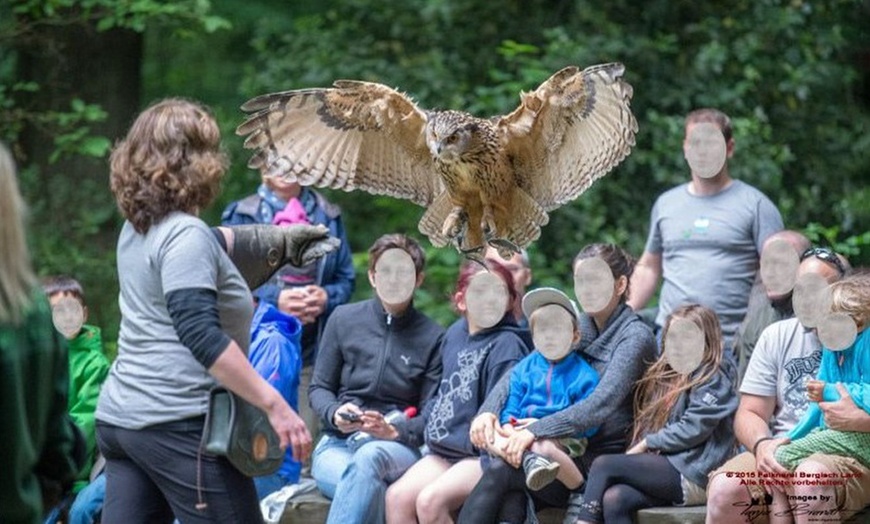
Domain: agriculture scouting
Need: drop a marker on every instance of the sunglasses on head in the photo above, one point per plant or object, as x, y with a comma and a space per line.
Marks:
825, 255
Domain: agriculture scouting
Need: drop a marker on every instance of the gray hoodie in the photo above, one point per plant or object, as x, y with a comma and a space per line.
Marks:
699, 435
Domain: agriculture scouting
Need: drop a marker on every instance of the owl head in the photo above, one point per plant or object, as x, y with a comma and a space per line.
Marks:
451, 135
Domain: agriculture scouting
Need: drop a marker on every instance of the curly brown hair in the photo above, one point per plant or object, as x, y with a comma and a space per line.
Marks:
170, 160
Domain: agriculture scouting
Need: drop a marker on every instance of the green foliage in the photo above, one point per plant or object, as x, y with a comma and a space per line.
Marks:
785, 71
109, 14
58, 129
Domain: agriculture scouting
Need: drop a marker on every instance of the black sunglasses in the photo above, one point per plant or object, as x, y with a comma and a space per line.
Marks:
825, 255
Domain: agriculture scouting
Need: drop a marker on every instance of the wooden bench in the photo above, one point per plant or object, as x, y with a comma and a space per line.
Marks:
312, 509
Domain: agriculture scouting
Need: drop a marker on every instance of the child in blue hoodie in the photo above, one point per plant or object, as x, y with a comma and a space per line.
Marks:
851, 367
547, 381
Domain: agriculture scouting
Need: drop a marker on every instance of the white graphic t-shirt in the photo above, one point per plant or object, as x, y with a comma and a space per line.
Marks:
786, 357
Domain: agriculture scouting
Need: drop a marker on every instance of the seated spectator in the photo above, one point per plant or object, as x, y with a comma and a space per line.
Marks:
276, 354
478, 350
770, 298
773, 400
847, 368
684, 408
619, 346
311, 292
376, 356
521, 272
88, 368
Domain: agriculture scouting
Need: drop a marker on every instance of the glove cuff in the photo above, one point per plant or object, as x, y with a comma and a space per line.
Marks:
258, 252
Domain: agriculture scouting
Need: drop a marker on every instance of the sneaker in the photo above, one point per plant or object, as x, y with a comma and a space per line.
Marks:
540, 471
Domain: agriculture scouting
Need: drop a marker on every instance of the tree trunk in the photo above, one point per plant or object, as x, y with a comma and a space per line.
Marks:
73, 218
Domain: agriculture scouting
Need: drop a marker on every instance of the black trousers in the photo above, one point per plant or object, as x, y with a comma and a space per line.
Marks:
151, 477
500, 495
502, 489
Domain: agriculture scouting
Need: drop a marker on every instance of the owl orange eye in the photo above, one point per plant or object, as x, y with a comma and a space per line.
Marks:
451, 139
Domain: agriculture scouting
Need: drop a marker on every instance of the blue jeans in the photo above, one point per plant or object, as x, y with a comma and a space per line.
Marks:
88, 504
357, 481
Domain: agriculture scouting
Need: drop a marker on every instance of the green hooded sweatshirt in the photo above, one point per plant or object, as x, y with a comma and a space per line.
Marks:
88, 368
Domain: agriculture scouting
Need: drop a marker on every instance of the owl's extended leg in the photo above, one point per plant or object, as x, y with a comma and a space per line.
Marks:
489, 228
475, 254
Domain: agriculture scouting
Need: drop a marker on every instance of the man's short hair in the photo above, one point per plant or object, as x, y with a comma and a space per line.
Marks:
711, 116
397, 241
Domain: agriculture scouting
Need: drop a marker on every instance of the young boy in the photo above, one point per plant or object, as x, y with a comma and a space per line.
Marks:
88, 368
548, 380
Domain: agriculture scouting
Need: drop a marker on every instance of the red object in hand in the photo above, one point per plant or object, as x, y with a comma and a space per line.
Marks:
513, 420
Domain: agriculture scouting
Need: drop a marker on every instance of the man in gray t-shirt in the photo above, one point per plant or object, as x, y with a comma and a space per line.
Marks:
706, 235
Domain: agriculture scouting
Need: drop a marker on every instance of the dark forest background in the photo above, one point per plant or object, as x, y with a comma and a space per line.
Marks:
794, 76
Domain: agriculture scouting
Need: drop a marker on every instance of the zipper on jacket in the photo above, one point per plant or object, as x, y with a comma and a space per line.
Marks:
550, 384
382, 361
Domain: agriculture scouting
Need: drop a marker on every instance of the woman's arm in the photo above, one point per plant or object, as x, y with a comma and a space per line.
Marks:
326, 379
233, 370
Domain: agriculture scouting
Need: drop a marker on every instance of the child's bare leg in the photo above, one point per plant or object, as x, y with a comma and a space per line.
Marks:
569, 474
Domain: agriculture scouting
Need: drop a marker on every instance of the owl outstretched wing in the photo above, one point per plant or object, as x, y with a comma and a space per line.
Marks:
569, 132
356, 135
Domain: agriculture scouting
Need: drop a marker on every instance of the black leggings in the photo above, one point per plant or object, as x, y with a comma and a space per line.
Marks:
499, 496
619, 485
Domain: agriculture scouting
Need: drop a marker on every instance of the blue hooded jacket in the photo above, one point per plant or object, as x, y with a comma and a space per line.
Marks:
335, 271
853, 372
540, 388
277, 356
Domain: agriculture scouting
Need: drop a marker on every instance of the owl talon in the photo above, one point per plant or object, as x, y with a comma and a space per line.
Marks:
455, 224
505, 247
475, 254
489, 229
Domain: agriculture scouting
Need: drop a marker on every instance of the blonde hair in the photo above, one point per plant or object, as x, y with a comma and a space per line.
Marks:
657, 392
851, 295
170, 160
17, 280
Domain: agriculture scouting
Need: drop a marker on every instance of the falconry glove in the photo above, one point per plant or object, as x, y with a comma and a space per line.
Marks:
260, 250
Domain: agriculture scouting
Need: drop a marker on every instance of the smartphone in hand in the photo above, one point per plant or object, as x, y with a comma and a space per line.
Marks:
348, 416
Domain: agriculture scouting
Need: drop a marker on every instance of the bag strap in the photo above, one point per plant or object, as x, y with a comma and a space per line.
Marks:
202, 505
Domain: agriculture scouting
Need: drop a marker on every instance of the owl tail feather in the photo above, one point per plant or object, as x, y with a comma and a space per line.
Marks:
433, 220
523, 225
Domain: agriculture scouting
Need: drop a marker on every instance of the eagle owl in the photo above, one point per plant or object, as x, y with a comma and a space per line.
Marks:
482, 181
